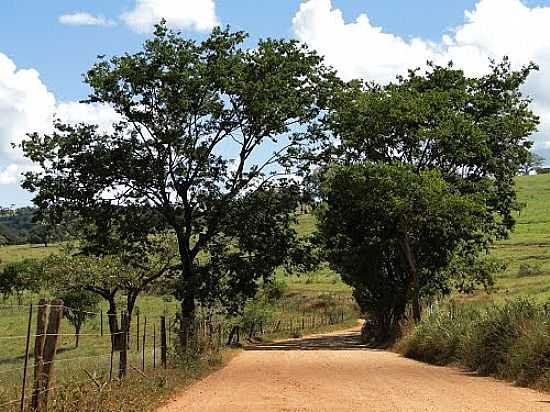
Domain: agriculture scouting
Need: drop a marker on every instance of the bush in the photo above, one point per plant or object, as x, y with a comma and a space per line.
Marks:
529, 358
510, 341
439, 338
487, 348
275, 289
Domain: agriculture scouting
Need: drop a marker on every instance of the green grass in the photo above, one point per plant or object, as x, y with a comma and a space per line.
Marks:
528, 246
509, 340
14, 253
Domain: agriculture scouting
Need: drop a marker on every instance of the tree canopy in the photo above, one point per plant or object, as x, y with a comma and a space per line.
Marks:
203, 143
417, 179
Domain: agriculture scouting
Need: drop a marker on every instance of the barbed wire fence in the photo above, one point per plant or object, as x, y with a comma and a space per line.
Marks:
44, 367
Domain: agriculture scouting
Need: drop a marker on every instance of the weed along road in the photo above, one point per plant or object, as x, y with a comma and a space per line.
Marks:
334, 372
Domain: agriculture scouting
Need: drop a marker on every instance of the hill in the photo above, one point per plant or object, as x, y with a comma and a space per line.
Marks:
527, 252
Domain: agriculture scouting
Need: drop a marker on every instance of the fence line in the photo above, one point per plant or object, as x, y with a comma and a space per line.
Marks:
209, 335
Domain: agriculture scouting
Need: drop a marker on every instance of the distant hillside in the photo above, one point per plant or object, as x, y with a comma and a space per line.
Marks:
17, 227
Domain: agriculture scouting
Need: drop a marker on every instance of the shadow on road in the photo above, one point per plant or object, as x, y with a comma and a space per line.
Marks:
344, 341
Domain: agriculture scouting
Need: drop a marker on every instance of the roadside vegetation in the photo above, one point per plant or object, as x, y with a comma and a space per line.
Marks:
509, 340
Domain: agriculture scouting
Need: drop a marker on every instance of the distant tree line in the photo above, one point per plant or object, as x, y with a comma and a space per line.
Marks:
20, 226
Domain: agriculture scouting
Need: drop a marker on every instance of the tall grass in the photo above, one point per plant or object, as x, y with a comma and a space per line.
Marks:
510, 341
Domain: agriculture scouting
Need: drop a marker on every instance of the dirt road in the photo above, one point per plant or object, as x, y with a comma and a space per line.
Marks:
335, 373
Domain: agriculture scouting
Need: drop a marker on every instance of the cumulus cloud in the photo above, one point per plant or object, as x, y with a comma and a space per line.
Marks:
85, 19
26, 105
493, 29
180, 14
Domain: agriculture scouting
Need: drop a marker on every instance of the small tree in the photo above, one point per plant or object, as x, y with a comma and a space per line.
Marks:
533, 162
112, 275
80, 306
25, 276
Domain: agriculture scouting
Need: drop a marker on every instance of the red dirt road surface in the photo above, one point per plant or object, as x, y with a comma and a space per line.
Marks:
334, 372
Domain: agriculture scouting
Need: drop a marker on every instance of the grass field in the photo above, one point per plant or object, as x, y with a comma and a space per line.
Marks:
527, 252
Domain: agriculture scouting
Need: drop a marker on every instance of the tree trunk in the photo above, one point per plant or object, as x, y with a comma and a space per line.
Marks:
77, 327
411, 263
114, 330
187, 319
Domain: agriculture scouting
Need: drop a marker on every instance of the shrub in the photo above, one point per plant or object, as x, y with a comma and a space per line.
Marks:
439, 338
275, 289
510, 341
486, 349
529, 358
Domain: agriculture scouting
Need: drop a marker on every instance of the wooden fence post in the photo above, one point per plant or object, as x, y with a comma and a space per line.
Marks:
154, 345
48, 354
143, 345
101, 322
137, 331
27, 344
163, 341
123, 355
38, 351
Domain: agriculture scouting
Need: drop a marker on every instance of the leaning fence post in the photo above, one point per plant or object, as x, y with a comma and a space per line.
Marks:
38, 351
27, 342
50, 350
163, 341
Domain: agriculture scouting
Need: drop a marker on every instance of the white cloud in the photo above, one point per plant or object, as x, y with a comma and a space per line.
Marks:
493, 29
9, 175
85, 19
197, 15
27, 106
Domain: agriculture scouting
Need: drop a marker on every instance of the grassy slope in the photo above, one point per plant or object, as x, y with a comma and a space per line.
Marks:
529, 243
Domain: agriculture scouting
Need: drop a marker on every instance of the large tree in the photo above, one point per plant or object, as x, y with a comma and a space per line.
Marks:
205, 127
472, 132
393, 235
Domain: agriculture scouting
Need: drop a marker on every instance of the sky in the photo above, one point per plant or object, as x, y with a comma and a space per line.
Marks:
46, 46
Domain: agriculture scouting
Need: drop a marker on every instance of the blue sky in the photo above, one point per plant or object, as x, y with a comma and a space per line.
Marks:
361, 38
31, 35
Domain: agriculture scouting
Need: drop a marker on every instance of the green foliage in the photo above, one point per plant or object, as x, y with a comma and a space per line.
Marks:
439, 337
509, 341
24, 276
80, 305
19, 226
196, 121
445, 149
487, 347
275, 289
391, 233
